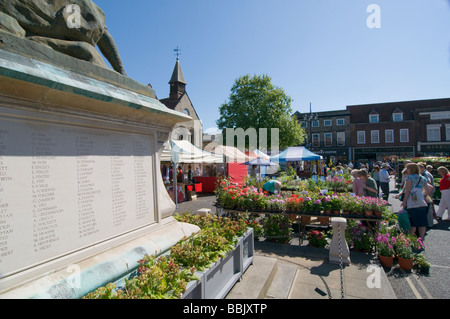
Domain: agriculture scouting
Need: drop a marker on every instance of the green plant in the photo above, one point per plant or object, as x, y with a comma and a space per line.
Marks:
202, 250
277, 228
157, 278
421, 264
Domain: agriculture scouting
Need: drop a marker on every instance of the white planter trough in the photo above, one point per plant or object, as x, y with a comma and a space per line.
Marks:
217, 281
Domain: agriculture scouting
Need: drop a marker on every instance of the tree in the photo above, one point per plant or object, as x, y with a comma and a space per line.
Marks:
256, 103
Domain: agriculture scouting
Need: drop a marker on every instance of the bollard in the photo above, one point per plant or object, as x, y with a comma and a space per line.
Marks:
339, 250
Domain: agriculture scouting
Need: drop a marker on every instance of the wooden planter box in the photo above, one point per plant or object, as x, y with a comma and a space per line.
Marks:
217, 281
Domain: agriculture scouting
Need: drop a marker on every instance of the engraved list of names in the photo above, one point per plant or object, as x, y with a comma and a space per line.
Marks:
66, 187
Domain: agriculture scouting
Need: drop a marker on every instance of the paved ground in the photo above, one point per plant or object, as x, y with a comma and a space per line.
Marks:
436, 285
315, 278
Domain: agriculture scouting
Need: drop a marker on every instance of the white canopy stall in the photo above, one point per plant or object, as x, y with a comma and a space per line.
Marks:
183, 151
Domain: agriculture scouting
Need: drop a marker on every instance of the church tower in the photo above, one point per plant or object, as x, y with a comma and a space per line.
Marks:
177, 83
179, 100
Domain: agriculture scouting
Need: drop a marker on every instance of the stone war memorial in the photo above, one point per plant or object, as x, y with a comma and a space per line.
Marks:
81, 193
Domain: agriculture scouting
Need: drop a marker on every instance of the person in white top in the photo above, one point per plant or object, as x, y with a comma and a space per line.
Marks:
384, 181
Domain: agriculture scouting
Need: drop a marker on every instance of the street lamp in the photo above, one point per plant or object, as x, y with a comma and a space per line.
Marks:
309, 118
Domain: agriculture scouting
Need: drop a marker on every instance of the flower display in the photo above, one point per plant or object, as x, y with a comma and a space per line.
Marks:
385, 244
360, 236
317, 238
407, 245
250, 198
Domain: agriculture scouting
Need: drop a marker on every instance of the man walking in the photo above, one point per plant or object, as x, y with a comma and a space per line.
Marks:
384, 181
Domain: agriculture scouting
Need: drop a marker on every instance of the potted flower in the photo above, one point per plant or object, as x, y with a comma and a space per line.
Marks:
326, 204
294, 206
360, 237
276, 205
404, 251
355, 206
317, 238
384, 244
336, 204
367, 206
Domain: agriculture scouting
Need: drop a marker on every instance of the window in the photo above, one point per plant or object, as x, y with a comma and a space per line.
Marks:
326, 122
315, 123
316, 140
447, 132
340, 122
186, 111
303, 124
389, 136
328, 137
397, 117
434, 133
340, 138
361, 137
374, 118
404, 135
375, 137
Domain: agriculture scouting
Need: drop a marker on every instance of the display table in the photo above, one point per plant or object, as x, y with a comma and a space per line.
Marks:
302, 222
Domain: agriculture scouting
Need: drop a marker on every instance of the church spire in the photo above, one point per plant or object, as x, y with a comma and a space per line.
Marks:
177, 82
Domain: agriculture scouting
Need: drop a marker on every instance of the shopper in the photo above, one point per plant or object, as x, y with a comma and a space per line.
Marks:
429, 197
370, 186
413, 201
376, 176
358, 184
273, 186
444, 187
384, 181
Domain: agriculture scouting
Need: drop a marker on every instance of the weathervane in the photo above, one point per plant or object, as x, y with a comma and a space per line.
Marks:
177, 50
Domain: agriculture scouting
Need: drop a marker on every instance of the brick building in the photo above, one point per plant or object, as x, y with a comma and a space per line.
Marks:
328, 134
399, 129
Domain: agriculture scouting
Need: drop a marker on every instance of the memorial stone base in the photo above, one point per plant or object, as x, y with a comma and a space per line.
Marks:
81, 193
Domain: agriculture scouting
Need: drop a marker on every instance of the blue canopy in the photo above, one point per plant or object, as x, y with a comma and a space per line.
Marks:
293, 154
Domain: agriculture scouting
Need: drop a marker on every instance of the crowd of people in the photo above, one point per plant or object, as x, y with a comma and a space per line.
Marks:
417, 188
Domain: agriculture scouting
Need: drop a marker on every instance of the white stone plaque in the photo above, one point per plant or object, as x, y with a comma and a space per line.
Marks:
65, 187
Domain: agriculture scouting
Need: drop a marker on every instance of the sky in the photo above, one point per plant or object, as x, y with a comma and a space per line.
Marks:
327, 53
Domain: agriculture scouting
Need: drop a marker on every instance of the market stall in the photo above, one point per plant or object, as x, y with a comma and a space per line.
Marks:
235, 171
184, 152
299, 154
295, 154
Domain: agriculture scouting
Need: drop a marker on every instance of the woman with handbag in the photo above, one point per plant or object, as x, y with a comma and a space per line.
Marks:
413, 201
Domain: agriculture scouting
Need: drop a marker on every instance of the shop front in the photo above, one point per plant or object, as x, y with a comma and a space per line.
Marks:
368, 154
433, 149
336, 155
